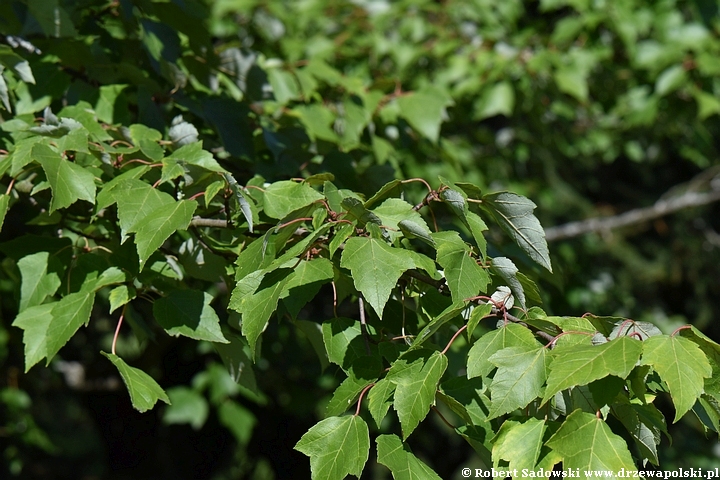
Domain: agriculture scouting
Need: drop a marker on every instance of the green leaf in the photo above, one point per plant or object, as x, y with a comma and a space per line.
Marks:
186, 406
120, 296
478, 313
670, 80
363, 372
519, 444
35, 322
305, 283
343, 341
464, 276
67, 316
424, 110
188, 313
582, 364
416, 375
341, 234
239, 420
357, 210
337, 447
284, 197
4, 203
256, 297
236, 357
394, 210
69, 182
514, 214
497, 100
36, 283
144, 391
375, 267
573, 81
587, 443
644, 423
519, 378
682, 366
400, 460
193, 154
313, 333
380, 400
152, 230
22, 154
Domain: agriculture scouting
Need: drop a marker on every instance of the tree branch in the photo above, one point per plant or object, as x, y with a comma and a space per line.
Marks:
209, 222
605, 224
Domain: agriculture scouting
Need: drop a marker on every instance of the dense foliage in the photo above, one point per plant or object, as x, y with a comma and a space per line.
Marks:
282, 185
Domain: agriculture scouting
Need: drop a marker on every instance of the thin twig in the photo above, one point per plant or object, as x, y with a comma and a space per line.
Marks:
434, 408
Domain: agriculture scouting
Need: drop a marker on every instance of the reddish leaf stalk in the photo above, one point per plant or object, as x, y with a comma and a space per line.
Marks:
460, 330
359, 402
684, 327
117, 331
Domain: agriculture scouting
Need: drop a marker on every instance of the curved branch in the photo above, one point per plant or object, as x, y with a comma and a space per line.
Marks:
604, 224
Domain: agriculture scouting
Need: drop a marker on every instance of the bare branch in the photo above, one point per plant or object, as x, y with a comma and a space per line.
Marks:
605, 224
209, 222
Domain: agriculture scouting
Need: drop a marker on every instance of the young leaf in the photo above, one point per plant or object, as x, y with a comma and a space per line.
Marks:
587, 443
375, 267
416, 375
284, 197
582, 364
69, 182
514, 214
510, 335
400, 460
508, 272
36, 283
337, 447
478, 313
519, 444
152, 231
188, 313
67, 316
682, 365
144, 391
519, 378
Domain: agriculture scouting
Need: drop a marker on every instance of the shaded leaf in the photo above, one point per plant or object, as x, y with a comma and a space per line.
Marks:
683, 367
188, 313
400, 460
144, 391
514, 214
